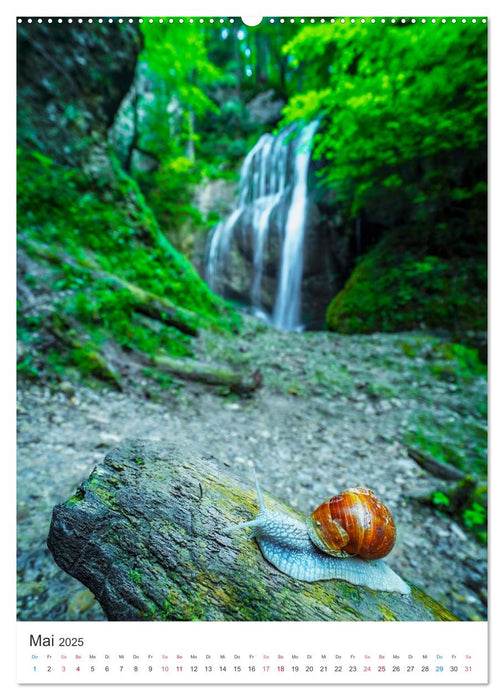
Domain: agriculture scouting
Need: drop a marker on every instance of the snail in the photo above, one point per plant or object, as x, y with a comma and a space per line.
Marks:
345, 538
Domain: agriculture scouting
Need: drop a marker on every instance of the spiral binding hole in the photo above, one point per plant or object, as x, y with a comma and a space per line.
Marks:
246, 20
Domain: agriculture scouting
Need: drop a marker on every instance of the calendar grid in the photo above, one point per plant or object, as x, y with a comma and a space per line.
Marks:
263, 652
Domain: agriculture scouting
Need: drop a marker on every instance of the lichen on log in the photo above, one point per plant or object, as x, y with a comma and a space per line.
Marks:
146, 534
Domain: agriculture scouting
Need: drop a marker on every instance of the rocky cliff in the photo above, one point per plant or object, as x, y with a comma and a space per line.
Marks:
71, 80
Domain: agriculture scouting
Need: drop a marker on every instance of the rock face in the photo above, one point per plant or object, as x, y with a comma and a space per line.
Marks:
265, 108
146, 534
71, 80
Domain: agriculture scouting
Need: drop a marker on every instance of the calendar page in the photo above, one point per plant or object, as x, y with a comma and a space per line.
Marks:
251, 346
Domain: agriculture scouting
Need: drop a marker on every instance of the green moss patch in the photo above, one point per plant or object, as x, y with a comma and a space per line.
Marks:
395, 289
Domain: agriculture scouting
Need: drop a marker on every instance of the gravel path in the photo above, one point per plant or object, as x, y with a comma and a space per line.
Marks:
332, 413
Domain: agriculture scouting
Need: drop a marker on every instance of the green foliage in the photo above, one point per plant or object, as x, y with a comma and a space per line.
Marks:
462, 443
458, 361
462, 440
402, 146
178, 54
170, 192
392, 289
27, 366
467, 359
392, 94
110, 312
198, 126
87, 358
475, 519
104, 223
467, 503
440, 499
120, 234
403, 136
177, 62
64, 205
135, 576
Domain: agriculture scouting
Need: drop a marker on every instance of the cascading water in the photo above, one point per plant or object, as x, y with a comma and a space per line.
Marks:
272, 202
288, 300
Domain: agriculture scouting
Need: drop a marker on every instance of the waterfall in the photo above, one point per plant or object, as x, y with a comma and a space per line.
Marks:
266, 230
288, 301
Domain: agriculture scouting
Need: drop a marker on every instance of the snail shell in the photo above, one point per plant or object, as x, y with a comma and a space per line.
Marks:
355, 522
286, 543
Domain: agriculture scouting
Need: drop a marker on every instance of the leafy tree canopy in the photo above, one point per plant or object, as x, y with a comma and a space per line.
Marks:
390, 94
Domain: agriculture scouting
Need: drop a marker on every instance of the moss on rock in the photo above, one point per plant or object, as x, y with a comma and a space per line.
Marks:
395, 288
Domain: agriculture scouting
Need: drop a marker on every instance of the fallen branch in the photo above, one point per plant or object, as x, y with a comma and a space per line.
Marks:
443, 471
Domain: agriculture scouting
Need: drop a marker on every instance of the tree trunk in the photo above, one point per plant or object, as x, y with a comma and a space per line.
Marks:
136, 135
190, 151
146, 533
261, 60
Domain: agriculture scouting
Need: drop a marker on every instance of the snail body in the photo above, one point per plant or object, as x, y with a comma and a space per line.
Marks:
292, 546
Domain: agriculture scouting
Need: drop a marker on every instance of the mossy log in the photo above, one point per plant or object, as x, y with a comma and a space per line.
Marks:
146, 533
155, 310
151, 305
194, 370
90, 356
